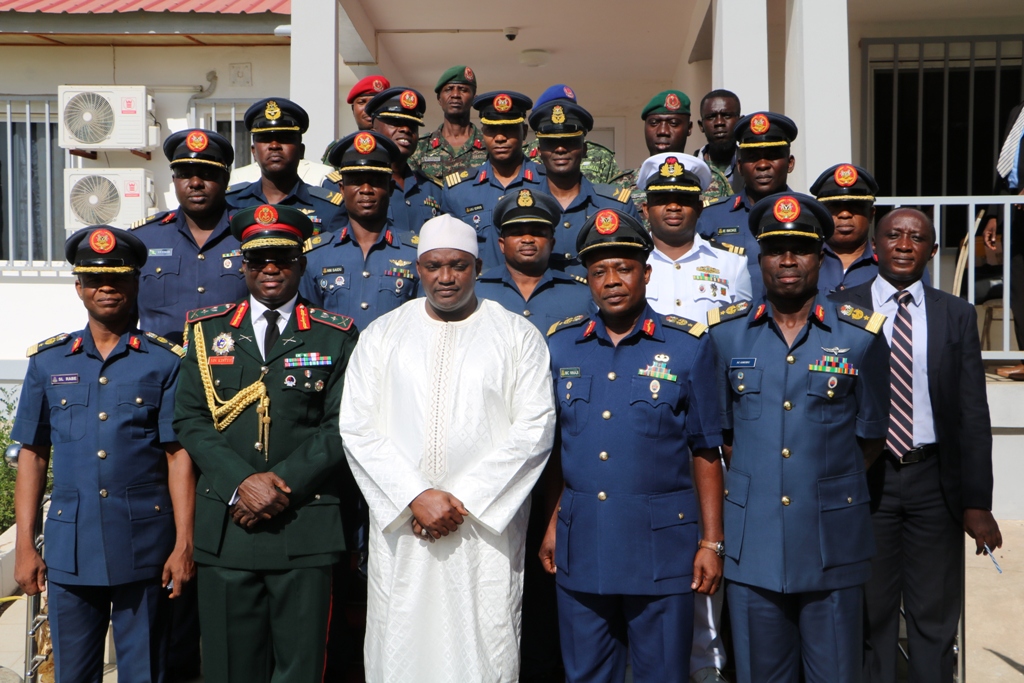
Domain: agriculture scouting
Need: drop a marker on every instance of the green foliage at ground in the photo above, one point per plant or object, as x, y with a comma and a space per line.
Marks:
8, 399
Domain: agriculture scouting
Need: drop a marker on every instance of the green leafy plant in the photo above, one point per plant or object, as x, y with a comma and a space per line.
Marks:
8, 401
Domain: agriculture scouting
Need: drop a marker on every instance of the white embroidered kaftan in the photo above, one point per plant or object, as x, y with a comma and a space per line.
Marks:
465, 407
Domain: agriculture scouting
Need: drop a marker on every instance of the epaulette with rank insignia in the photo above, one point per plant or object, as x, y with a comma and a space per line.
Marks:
166, 343
730, 312
164, 217
436, 181
334, 176
725, 246
453, 179
579, 278
342, 322
685, 324
315, 241
571, 321
56, 340
335, 198
861, 317
621, 195
197, 314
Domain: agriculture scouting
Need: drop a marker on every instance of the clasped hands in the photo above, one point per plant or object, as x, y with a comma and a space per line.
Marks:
260, 497
436, 513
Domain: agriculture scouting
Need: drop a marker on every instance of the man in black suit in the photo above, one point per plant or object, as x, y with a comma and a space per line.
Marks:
935, 476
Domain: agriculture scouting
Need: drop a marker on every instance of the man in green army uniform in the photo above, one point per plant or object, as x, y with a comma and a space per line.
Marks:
257, 405
667, 126
457, 144
599, 165
719, 114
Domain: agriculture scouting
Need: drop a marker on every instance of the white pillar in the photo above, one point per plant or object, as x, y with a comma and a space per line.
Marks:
818, 86
314, 70
740, 57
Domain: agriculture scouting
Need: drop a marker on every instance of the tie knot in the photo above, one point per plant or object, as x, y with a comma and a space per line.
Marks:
271, 317
904, 299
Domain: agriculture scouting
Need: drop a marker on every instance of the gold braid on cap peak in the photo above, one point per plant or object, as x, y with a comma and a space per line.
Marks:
103, 269
399, 115
265, 242
271, 129
189, 160
495, 122
773, 143
848, 198
673, 188
790, 233
225, 412
559, 135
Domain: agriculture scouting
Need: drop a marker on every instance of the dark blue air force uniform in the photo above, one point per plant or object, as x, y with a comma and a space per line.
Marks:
180, 276
627, 521
797, 519
411, 206
471, 198
557, 296
323, 207
110, 526
339, 279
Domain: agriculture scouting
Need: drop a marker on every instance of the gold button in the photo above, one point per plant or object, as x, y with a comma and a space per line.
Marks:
201, 290
317, 497
101, 454
207, 490
727, 493
527, 314
850, 501
787, 405
785, 453
202, 257
159, 270
366, 273
740, 388
831, 393
138, 399
559, 508
567, 254
568, 396
264, 369
678, 302
364, 305
790, 359
103, 493
568, 385
785, 500
63, 401
157, 508
103, 417
603, 455
60, 512
654, 397
681, 515
607, 414
602, 496
612, 376
216, 382
103, 380
568, 225
678, 266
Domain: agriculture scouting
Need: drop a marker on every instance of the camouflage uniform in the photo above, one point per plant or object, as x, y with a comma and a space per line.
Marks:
437, 159
599, 166
725, 180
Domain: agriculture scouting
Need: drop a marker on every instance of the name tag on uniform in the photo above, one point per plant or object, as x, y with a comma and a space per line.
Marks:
64, 379
431, 160
728, 231
742, 362
332, 270
568, 372
161, 252
471, 209
221, 360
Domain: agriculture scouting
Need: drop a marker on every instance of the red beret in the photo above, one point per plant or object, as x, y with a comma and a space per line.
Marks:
371, 85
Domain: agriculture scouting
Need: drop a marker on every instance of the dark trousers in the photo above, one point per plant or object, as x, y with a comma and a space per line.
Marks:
776, 636
598, 633
79, 616
541, 660
183, 660
264, 626
919, 559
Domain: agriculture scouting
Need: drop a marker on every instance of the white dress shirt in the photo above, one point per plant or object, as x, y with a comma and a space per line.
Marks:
259, 320
883, 299
701, 279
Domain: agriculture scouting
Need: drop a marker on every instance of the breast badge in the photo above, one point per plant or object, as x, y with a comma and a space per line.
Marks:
658, 369
223, 344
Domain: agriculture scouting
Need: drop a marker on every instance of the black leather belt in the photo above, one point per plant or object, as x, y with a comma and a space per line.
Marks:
915, 455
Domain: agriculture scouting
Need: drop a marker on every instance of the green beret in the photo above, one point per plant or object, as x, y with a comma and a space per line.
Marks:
456, 74
667, 102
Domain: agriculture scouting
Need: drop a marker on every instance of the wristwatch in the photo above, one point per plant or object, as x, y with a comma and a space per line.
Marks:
717, 546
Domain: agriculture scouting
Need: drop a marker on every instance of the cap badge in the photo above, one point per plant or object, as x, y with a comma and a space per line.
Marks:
468, 73
759, 125
102, 241
568, 92
671, 168
787, 210
265, 214
672, 102
502, 103
364, 143
845, 176
272, 112
557, 114
525, 198
606, 222
378, 85
408, 99
197, 141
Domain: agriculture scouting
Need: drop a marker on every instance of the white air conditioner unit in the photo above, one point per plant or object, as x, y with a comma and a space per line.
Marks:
107, 196
106, 117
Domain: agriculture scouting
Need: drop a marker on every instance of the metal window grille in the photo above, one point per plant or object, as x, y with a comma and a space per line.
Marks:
225, 117
31, 182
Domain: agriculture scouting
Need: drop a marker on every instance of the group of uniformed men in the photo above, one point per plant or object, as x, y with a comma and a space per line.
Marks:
260, 289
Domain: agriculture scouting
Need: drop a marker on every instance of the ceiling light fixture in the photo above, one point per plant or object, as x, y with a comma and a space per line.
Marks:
534, 57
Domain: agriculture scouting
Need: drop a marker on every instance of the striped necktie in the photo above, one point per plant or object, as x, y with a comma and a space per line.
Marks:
1008, 154
901, 365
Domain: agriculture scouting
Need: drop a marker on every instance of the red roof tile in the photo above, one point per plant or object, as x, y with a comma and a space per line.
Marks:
109, 6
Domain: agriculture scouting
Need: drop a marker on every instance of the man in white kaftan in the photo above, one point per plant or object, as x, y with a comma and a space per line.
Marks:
447, 419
